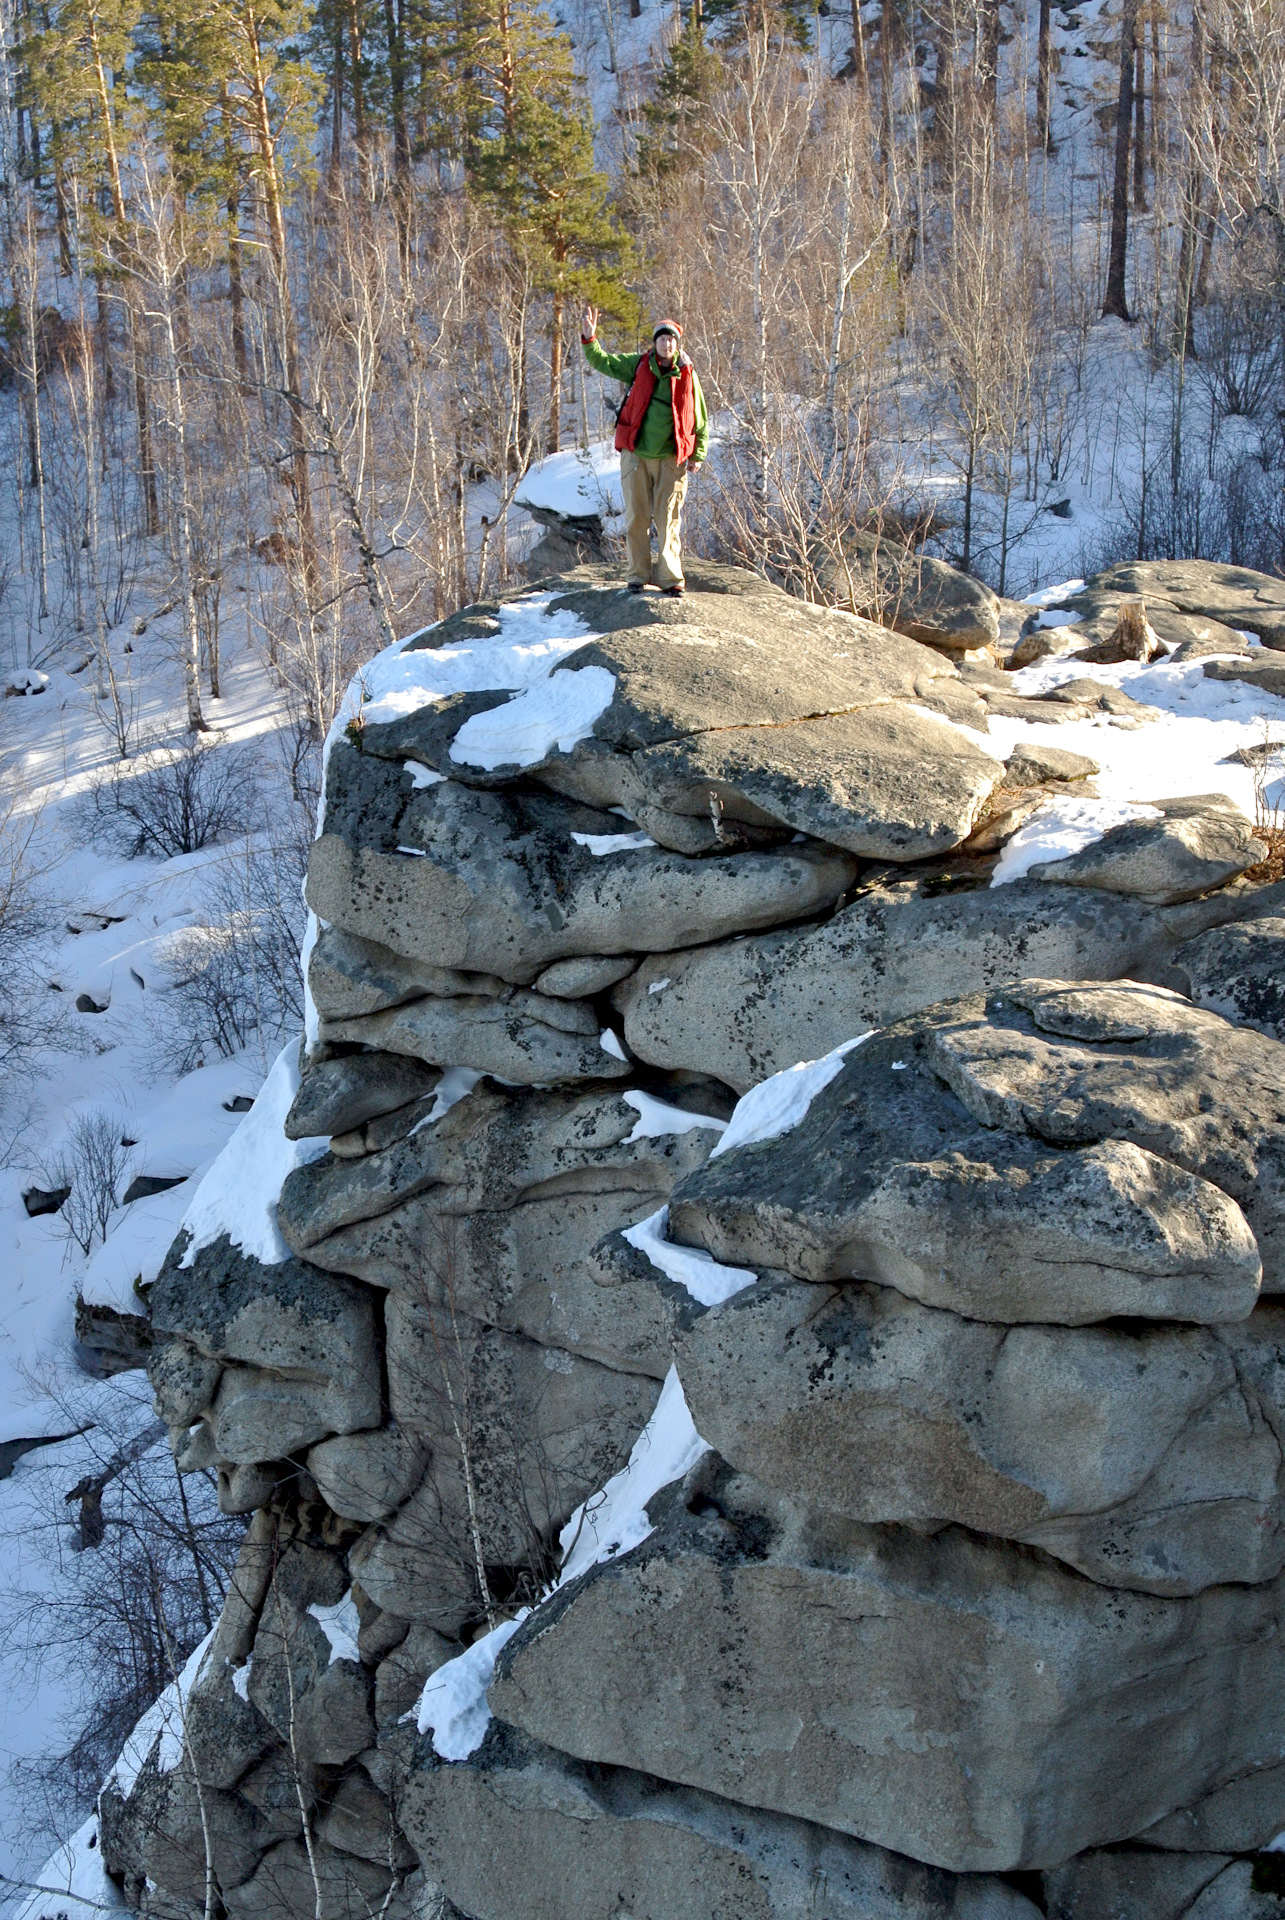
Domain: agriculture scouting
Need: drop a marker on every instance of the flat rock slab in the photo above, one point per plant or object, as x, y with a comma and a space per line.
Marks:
1239, 972
1142, 1458
1185, 853
496, 883
1267, 676
1032, 762
1236, 596
490, 1151
885, 782
337, 1095
519, 1829
969, 1704
583, 977
766, 702
259, 1417
526, 1039
348, 976
291, 1316
1053, 1153
747, 1008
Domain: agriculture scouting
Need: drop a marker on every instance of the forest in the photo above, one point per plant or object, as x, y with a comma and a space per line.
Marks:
291, 296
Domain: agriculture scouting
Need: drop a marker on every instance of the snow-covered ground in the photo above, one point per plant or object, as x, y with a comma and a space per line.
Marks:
111, 926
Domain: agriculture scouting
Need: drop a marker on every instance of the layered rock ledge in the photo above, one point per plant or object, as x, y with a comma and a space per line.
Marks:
690, 1484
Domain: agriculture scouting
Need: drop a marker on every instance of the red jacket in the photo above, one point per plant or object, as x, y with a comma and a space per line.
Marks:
682, 398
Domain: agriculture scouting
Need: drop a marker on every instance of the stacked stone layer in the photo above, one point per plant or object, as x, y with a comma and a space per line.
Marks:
983, 1573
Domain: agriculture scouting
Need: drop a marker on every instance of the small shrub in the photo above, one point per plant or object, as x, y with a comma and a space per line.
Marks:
166, 803
92, 1165
237, 977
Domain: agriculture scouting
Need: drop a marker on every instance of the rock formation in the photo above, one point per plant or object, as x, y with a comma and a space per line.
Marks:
966, 1596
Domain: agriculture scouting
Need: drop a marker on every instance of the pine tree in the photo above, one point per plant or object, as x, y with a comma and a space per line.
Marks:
71, 66
672, 121
505, 99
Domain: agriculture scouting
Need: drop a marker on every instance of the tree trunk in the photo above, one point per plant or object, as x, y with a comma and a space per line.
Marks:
270, 187
1043, 80
336, 110
1140, 129
359, 128
860, 72
555, 373
397, 93
236, 292
887, 76
988, 57
187, 581
1116, 302
147, 466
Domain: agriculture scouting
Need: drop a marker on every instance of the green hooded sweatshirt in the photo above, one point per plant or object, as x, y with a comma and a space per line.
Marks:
656, 435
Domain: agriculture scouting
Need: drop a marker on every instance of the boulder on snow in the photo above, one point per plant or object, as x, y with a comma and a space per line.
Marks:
1266, 676
1234, 596
1199, 843
966, 1703
914, 594
518, 1828
1032, 763
1142, 1457
566, 540
1054, 1152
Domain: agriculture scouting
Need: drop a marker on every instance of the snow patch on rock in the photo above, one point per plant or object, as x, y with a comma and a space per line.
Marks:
691, 1267
238, 1196
779, 1103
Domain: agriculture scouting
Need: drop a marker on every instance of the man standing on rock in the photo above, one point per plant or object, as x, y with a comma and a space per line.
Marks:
662, 431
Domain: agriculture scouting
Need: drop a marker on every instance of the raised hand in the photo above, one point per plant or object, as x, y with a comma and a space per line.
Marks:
588, 322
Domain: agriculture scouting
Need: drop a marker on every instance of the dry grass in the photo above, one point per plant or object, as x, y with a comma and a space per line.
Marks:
1273, 868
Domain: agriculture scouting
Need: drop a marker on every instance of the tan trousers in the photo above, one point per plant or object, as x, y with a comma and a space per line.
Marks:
654, 490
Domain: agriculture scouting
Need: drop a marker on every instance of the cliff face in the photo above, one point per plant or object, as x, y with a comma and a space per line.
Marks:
870, 1508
